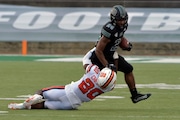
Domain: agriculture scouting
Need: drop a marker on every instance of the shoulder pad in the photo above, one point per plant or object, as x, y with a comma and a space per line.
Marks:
108, 29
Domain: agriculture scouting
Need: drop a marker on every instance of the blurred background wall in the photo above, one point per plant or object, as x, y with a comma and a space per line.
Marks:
96, 3
80, 48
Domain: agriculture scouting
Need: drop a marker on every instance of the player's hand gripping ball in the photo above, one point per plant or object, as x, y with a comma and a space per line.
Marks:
125, 44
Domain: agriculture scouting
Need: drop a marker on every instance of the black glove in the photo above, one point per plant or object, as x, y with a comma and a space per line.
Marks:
111, 66
129, 47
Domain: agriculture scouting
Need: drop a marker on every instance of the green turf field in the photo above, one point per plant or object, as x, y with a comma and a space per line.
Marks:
22, 77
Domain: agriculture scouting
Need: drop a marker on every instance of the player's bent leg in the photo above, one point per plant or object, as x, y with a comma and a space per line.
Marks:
136, 97
127, 68
129, 78
62, 104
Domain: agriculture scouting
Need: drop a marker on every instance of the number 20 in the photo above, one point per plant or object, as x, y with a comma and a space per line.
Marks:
87, 86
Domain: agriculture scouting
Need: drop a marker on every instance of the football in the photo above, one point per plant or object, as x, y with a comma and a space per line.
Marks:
124, 43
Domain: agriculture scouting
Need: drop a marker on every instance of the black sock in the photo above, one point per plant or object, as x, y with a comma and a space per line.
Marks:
133, 92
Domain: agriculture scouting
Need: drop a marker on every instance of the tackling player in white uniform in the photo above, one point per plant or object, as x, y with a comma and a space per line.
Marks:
93, 83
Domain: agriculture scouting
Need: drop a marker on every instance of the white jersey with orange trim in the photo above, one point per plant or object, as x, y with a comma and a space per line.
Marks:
86, 89
72, 95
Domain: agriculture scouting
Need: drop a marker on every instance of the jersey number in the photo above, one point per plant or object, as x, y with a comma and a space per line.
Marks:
87, 87
117, 42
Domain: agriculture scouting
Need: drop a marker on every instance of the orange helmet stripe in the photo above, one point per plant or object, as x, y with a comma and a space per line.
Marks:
109, 80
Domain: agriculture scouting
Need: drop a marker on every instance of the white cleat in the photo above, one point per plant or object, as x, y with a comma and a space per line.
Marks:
16, 106
27, 103
33, 100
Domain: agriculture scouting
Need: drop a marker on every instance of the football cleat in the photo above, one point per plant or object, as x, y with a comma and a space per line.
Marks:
33, 100
16, 106
140, 97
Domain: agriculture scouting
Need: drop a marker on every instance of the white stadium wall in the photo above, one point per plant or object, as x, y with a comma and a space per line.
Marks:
74, 30
84, 24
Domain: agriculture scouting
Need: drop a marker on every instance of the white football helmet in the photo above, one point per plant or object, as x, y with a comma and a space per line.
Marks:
107, 78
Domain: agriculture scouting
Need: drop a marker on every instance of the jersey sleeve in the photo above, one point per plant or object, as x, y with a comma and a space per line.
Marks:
92, 69
108, 30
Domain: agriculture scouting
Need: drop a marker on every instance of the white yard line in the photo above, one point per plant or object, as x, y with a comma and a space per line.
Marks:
134, 59
154, 85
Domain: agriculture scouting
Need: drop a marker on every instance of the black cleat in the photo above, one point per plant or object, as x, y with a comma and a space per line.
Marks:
140, 97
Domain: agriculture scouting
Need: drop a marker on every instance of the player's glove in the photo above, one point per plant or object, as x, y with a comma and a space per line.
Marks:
112, 67
129, 47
